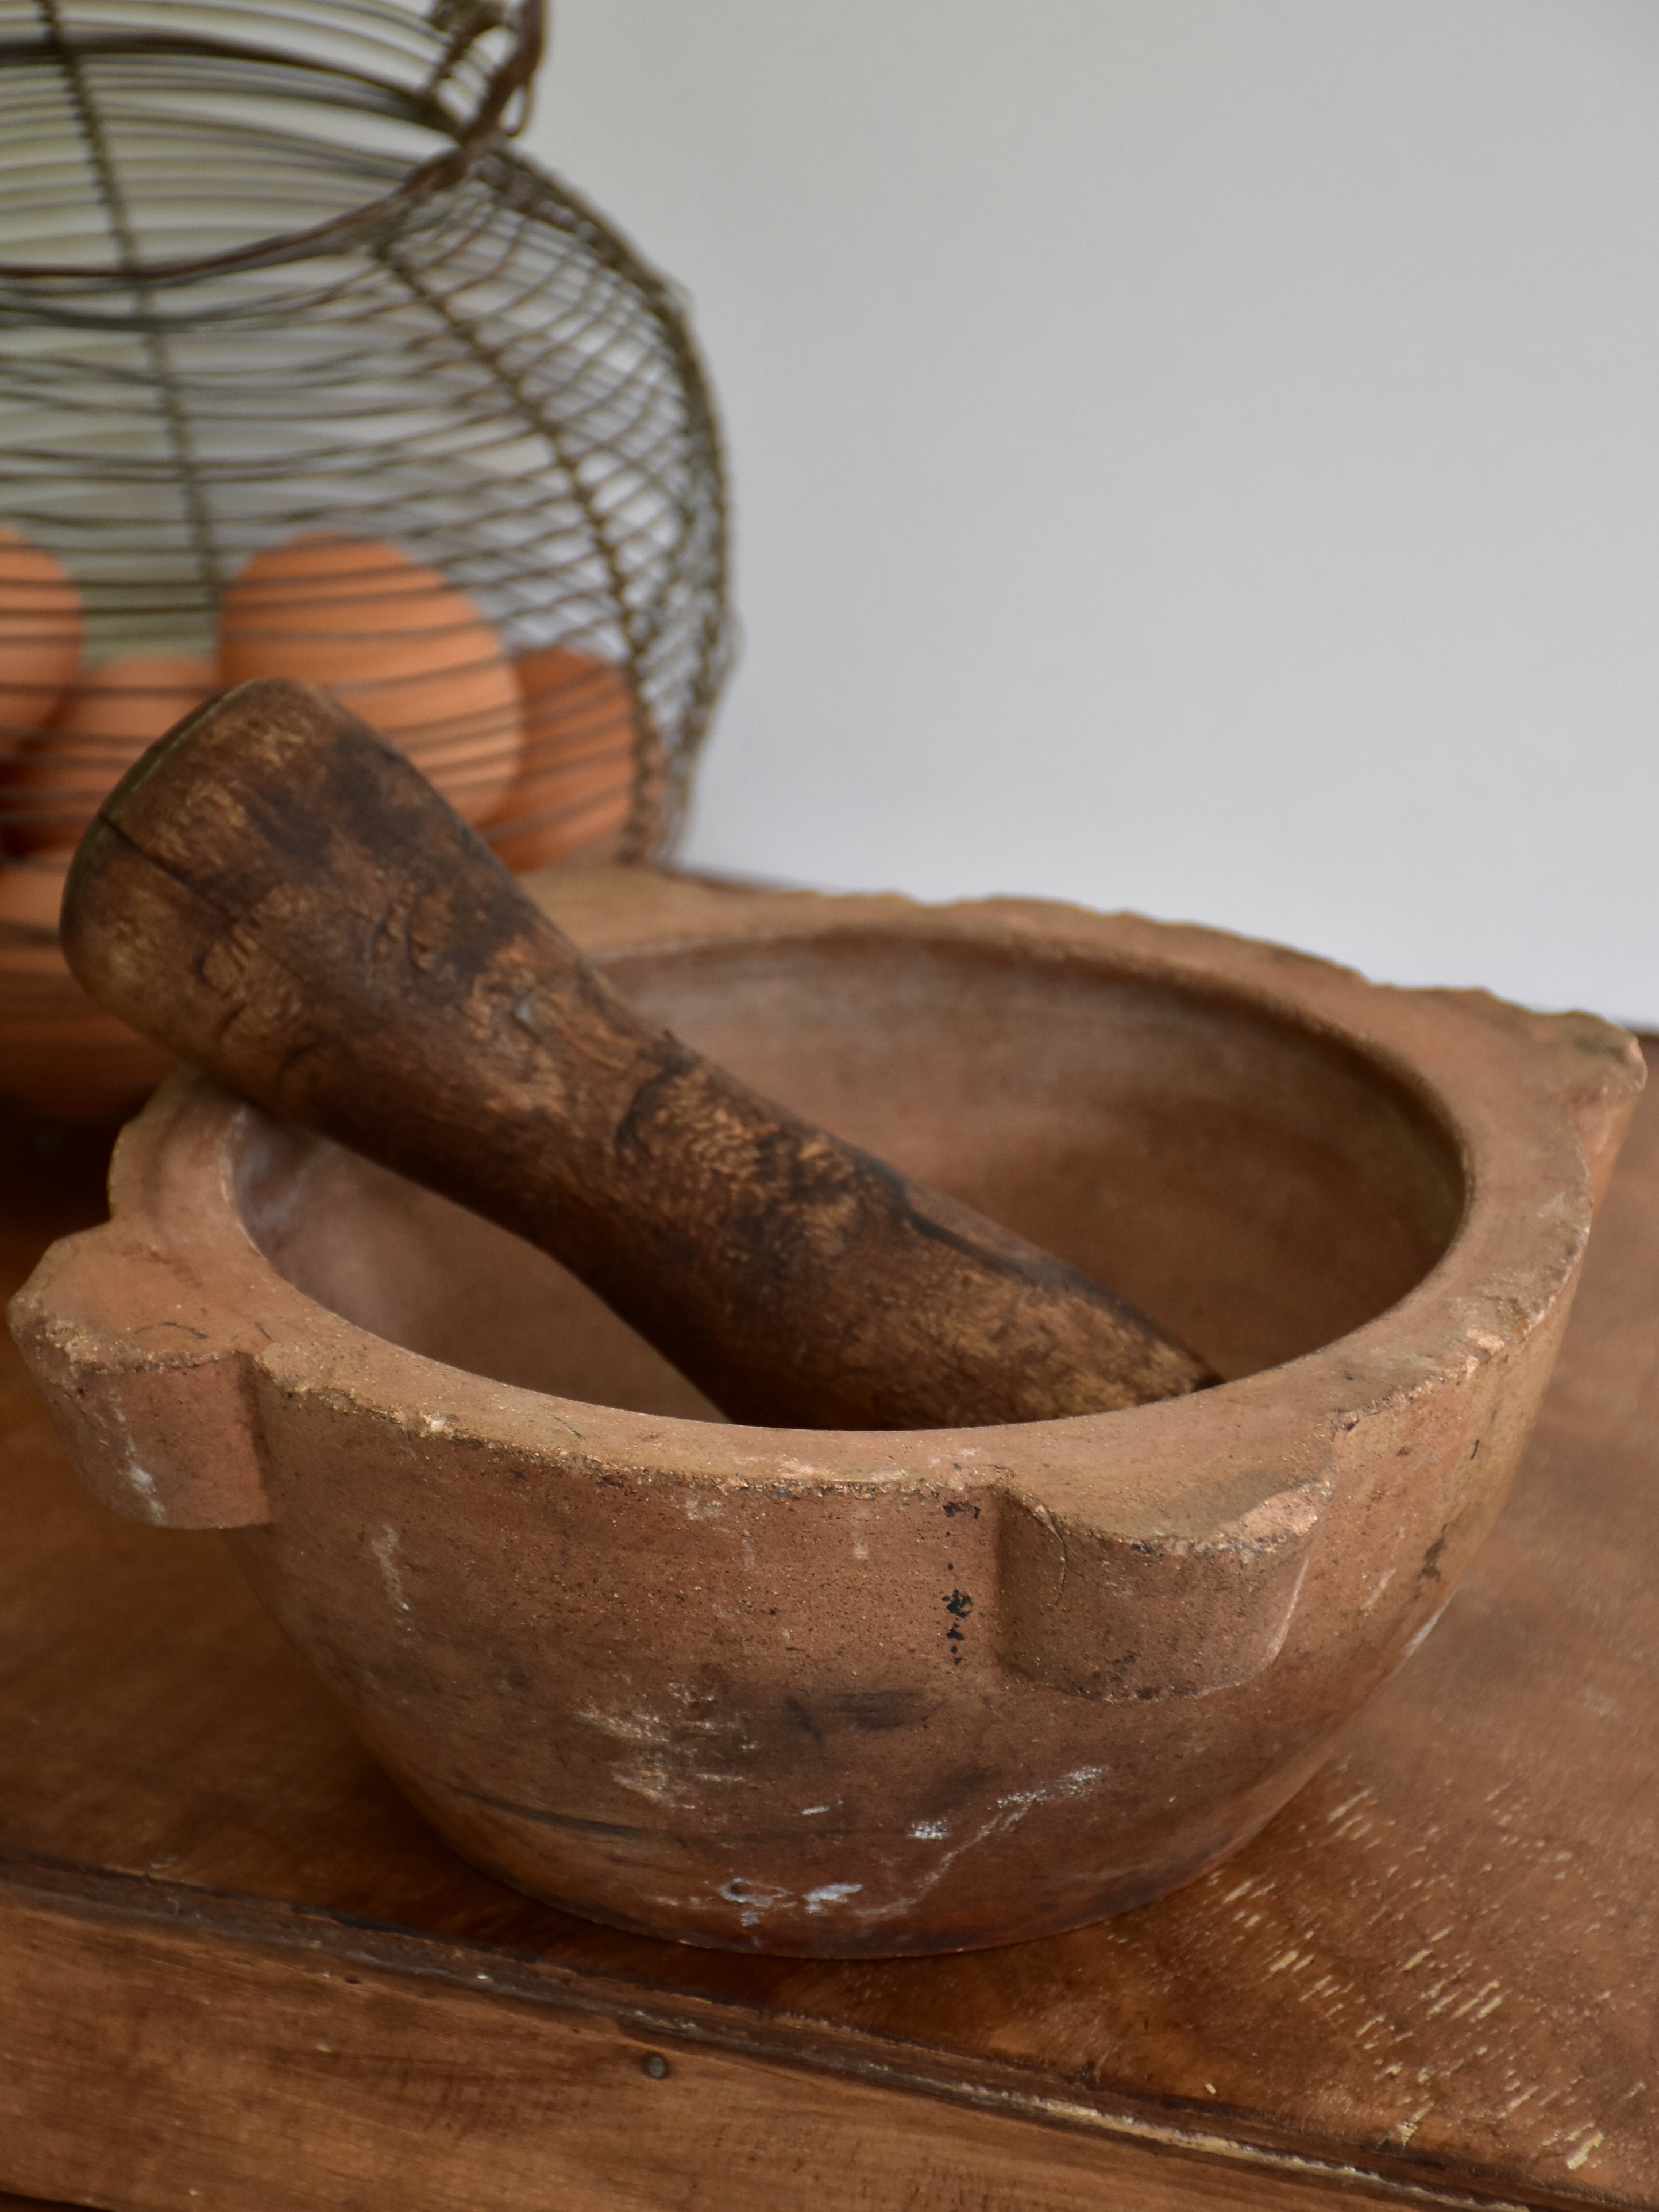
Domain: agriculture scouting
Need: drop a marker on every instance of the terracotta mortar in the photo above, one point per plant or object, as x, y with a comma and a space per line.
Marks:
857, 1692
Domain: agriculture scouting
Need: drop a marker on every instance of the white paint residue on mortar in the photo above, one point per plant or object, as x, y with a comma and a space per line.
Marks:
752, 1899
143, 1482
385, 1548
832, 1892
1006, 1815
139, 1479
666, 1749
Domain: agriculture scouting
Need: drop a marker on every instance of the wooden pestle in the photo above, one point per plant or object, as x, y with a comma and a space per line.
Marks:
276, 894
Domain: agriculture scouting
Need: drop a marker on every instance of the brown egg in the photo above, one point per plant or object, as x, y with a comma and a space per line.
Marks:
574, 795
40, 626
32, 890
61, 1056
395, 643
53, 786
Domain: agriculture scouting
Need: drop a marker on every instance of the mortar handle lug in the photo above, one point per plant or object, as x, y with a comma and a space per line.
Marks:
148, 1381
1089, 1610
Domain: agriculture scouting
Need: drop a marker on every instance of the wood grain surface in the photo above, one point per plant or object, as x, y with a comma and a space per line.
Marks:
233, 1962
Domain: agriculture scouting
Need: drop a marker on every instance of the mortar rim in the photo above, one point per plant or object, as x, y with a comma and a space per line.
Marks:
1193, 1470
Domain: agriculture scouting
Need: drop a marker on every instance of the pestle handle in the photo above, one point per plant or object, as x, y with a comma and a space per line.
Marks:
276, 895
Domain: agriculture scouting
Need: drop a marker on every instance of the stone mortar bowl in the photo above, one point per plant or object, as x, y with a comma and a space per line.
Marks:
861, 1693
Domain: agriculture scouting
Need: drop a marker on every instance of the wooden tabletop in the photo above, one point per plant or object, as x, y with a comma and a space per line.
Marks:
237, 1970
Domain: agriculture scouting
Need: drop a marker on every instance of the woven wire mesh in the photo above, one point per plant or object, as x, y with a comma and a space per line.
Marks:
273, 271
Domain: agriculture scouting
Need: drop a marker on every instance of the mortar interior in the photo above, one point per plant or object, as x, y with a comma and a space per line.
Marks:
1259, 1187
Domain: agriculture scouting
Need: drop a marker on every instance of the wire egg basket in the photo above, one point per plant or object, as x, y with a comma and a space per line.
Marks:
304, 370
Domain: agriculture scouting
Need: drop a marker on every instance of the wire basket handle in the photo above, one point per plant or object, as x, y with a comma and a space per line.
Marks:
454, 28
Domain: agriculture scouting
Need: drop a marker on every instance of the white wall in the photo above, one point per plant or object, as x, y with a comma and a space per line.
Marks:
1199, 455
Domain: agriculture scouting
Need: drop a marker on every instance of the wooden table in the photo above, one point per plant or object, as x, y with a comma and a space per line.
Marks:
237, 1971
